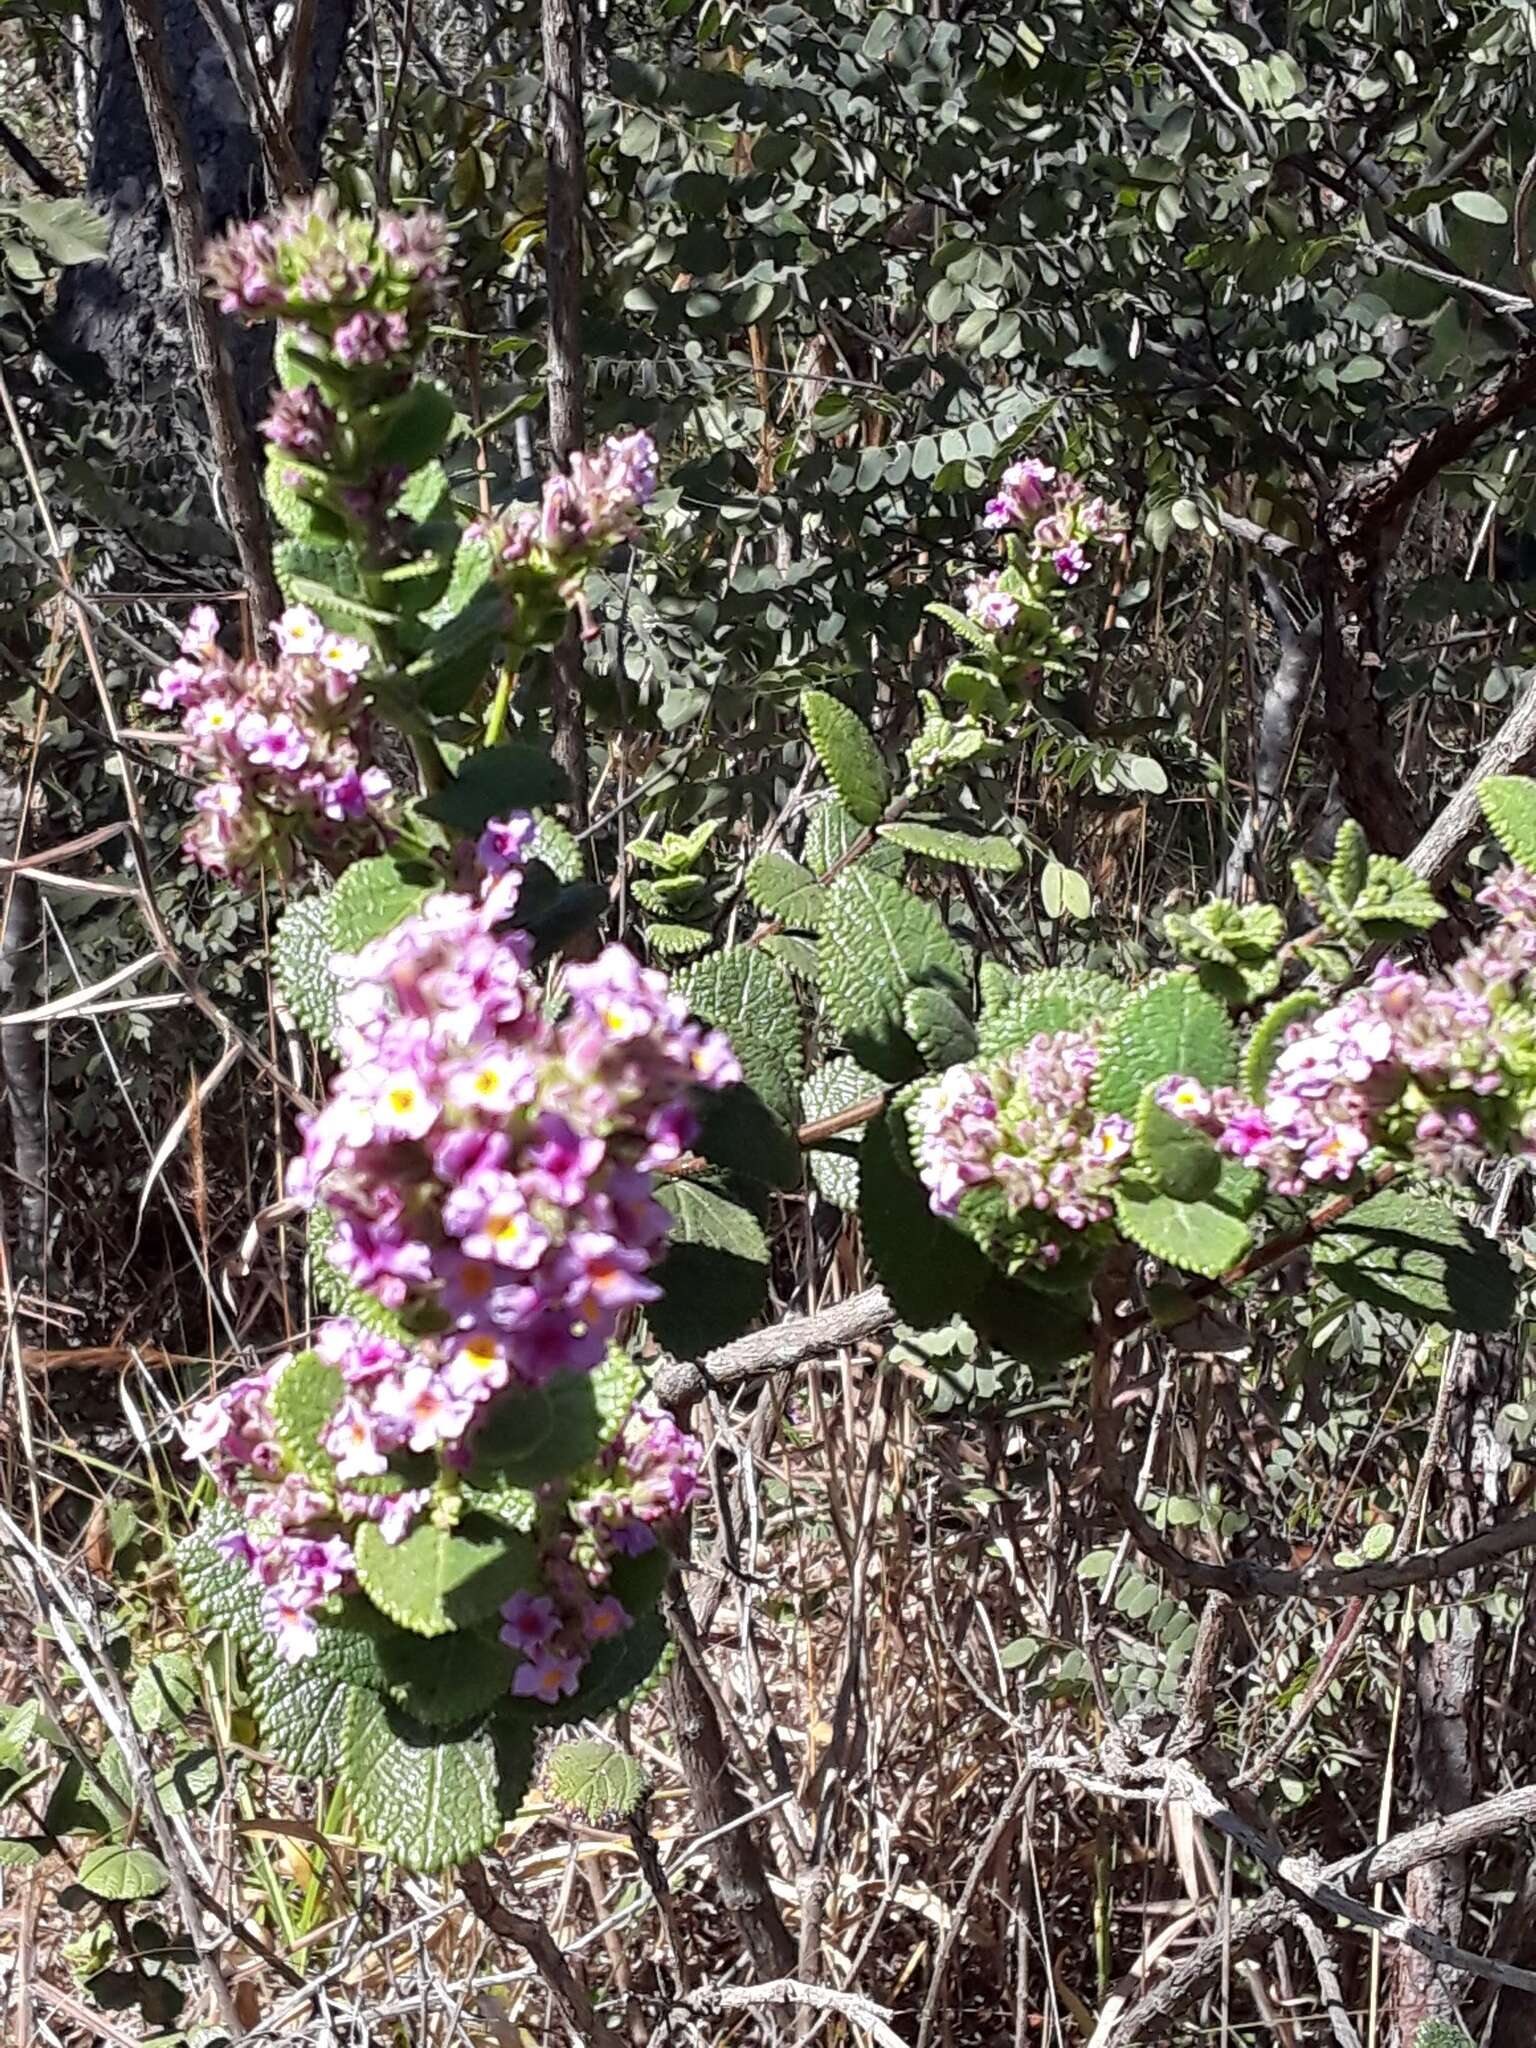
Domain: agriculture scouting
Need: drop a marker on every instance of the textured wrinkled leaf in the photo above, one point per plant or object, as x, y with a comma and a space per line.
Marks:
930, 1269
1409, 1253
531, 1435
595, 1781
703, 1217
71, 231
302, 1714
939, 1027
783, 889
1198, 1236
430, 1799
306, 1396
302, 947
847, 751
987, 851
1172, 1026
437, 1580
221, 1593
1509, 805
371, 898
1017, 1007
878, 942
838, 1085
748, 996
832, 831
118, 1871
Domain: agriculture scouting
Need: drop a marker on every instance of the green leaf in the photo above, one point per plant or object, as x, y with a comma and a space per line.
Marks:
554, 845
302, 1714
307, 1394
748, 996
302, 947
1172, 1026
595, 1781
316, 525
1175, 1157
1481, 206
1198, 1236
714, 1277
676, 941
531, 1435
1016, 1008
422, 493
1040, 1330
940, 1029
1263, 1049
1408, 1253
447, 1685
117, 1871
437, 1580
371, 898
510, 777
165, 1692
409, 430
703, 1217
783, 889
1064, 892
71, 231
1441, 2034
849, 755
1395, 902
1509, 805
430, 1799
1351, 858
878, 942
837, 1086
930, 1269
830, 833
221, 1593
988, 851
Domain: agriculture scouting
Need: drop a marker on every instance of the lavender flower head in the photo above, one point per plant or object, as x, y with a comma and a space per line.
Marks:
489, 1169
579, 516
282, 749
1438, 1071
366, 287
1049, 516
1022, 1128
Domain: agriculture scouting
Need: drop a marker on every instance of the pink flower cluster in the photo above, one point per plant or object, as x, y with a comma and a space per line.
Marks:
1436, 1070
489, 1168
284, 749
297, 1530
365, 288
990, 606
581, 515
1056, 521
295, 1533
1024, 1126
648, 1475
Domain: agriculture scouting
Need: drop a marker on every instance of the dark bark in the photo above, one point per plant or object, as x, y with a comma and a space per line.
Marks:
233, 451
117, 318
21, 1047
745, 1891
1279, 717
566, 156
1448, 1680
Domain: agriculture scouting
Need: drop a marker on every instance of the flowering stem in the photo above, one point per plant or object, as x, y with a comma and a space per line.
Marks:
496, 717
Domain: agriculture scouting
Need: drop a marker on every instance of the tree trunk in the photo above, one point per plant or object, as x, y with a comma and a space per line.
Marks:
121, 316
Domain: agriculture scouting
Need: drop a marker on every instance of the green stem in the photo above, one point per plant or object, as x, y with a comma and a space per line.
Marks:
496, 717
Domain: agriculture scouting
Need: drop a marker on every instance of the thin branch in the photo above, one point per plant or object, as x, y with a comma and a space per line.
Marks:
44, 179
182, 190
538, 1944
680, 1383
